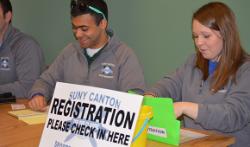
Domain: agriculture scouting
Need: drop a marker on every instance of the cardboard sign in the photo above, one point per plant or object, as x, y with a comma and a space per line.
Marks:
91, 117
163, 127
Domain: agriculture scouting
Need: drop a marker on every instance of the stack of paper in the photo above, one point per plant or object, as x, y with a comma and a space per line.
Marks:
29, 116
187, 135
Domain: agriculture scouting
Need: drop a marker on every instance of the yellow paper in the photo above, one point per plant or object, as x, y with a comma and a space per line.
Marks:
24, 113
37, 119
29, 116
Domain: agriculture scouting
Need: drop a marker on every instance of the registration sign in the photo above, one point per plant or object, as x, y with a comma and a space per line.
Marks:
89, 116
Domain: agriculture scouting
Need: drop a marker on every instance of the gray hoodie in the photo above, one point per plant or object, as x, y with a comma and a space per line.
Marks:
21, 62
226, 111
116, 68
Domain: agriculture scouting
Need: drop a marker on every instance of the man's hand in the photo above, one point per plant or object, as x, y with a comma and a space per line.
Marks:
38, 103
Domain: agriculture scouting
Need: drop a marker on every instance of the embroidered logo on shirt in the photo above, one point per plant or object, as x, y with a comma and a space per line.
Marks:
107, 70
4, 63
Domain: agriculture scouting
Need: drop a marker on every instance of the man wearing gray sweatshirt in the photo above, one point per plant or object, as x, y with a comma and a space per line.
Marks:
21, 58
98, 58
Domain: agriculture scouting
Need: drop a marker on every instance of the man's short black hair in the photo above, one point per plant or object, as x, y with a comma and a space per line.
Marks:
99, 9
6, 6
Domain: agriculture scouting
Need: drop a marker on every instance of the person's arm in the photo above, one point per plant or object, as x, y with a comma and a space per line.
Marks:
131, 74
29, 63
231, 114
45, 84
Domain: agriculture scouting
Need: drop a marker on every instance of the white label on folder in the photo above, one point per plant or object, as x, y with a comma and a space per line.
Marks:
161, 132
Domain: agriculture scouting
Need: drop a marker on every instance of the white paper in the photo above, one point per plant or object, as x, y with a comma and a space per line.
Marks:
187, 135
17, 106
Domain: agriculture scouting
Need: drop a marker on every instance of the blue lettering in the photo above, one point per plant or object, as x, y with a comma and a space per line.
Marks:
77, 95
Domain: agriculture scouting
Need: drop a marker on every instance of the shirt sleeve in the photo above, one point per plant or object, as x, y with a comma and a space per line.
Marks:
131, 76
45, 84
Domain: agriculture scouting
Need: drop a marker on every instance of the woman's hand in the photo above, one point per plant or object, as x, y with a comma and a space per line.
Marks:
186, 108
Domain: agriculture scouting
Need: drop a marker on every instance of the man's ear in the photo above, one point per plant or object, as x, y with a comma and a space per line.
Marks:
103, 24
8, 16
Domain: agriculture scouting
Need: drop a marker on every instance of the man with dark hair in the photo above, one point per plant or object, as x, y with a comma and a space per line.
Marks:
21, 58
98, 58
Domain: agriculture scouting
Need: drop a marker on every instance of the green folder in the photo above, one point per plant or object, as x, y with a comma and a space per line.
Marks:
163, 127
